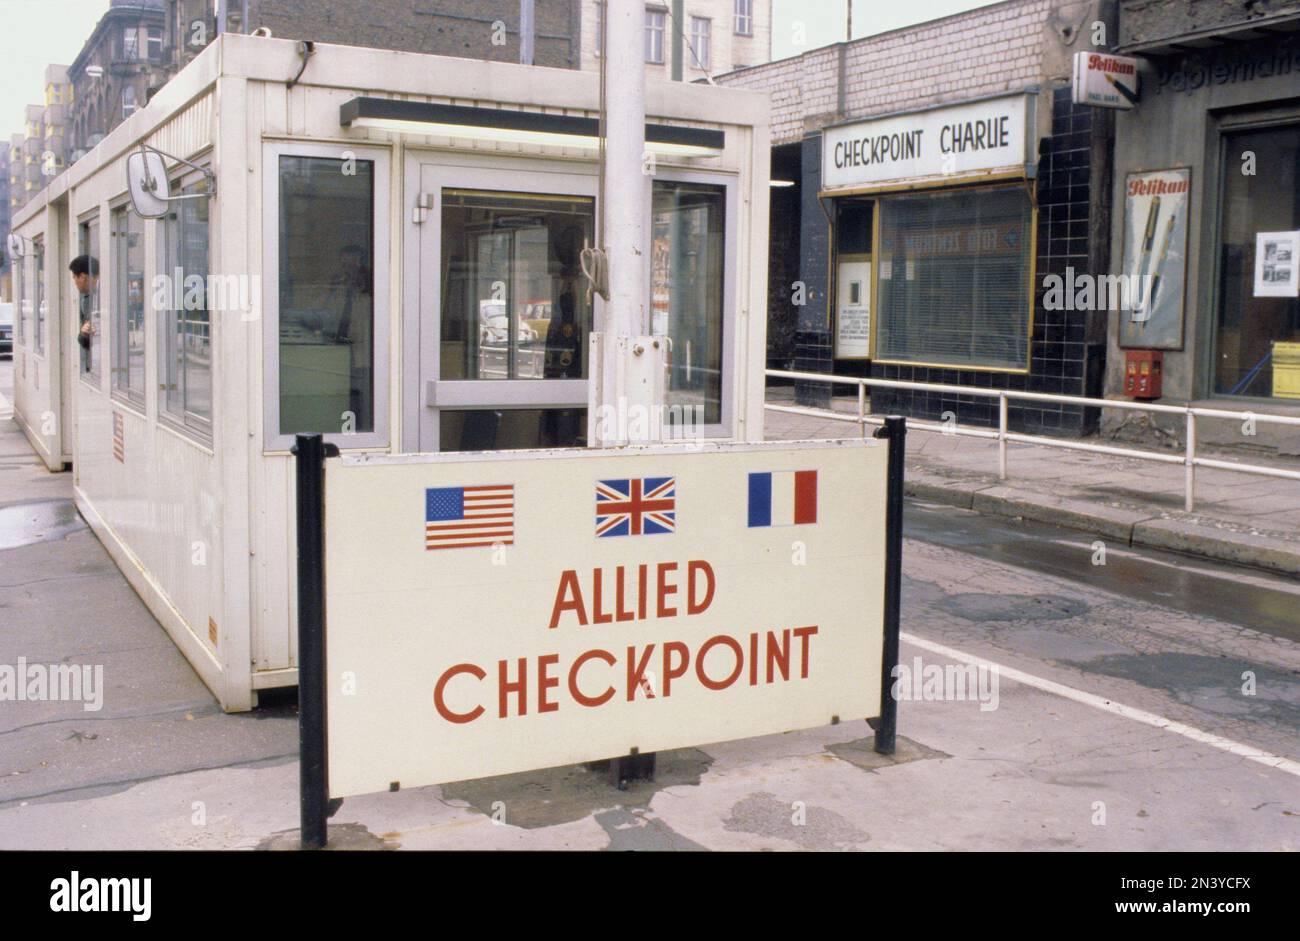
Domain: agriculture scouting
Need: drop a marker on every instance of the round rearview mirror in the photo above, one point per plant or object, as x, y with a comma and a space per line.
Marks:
15, 245
146, 179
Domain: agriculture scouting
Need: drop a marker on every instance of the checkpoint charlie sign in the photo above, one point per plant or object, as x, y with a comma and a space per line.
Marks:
490, 616
976, 137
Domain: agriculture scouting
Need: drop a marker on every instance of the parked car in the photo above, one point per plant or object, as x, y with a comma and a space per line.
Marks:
6, 330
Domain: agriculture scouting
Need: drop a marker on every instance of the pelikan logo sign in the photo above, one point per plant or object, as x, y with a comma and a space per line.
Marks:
76, 894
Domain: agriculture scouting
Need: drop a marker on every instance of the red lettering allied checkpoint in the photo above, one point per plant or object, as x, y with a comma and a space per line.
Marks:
595, 677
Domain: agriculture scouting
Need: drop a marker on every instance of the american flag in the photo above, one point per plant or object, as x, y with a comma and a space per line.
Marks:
641, 506
460, 517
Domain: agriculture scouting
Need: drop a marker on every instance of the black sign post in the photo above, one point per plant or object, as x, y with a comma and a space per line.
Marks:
310, 451
895, 431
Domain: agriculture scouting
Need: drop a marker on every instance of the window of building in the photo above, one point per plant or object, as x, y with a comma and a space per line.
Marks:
654, 36
701, 29
688, 263
127, 309
89, 320
953, 272
181, 300
1257, 348
130, 43
329, 358
744, 18
600, 29
155, 40
128, 101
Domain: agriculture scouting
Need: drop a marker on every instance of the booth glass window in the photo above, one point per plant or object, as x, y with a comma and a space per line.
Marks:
22, 303
128, 304
37, 292
688, 255
514, 302
493, 429
954, 272
327, 295
184, 323
88, 309
1257, 349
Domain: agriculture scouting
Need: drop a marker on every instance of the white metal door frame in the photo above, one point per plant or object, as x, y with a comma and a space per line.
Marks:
424, 392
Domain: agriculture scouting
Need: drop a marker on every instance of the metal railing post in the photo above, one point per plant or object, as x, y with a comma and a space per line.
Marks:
1002, 436
1189, 464
862, 408
895, 430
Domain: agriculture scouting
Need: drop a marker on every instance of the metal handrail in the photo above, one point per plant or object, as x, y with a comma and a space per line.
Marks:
1188, 459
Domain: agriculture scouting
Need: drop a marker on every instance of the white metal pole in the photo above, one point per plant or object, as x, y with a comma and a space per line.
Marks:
626, 212
625, 398
1189, 462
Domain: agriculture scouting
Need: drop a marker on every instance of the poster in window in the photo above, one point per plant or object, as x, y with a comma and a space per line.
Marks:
853, 310
1150, 295
1275, 264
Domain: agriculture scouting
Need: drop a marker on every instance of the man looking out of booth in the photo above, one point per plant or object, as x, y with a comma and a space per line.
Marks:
85, 276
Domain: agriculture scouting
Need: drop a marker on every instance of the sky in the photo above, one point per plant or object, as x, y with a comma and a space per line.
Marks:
35, 33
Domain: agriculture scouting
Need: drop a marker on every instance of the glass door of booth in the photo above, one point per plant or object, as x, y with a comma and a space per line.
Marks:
500, 313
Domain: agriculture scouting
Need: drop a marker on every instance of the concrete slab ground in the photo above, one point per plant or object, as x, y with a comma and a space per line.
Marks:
1245, 519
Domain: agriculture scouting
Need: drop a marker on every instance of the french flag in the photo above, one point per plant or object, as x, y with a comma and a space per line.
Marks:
783, 498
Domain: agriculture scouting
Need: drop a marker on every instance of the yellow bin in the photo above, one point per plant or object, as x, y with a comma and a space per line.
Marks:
1286, 370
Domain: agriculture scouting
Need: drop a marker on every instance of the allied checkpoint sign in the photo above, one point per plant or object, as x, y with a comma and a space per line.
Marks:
493, 615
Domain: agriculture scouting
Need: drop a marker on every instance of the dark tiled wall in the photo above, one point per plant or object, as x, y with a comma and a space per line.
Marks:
1062, 361
783, 263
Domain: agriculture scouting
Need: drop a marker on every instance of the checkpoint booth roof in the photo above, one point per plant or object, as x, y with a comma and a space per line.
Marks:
379, 246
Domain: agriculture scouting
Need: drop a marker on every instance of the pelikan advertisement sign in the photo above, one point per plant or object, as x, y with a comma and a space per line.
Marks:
1155, 258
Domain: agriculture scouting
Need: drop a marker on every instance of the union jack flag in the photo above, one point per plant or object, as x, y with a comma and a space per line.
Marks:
641, 506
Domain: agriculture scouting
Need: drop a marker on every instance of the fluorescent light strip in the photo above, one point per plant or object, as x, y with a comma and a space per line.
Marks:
544, 129
512, 136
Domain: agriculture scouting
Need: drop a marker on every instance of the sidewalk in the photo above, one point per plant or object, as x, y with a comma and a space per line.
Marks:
1242, 518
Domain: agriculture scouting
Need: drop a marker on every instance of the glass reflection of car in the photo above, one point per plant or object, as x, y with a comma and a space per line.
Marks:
494, 326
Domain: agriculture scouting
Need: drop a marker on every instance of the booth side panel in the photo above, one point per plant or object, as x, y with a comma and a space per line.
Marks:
147, 478
36, 375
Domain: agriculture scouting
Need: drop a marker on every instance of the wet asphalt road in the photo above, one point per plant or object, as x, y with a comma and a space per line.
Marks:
1246, 597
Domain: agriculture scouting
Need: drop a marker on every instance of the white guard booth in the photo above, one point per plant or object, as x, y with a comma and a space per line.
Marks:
378, 246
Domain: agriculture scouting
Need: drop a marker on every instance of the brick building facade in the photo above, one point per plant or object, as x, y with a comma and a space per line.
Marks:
1000, 53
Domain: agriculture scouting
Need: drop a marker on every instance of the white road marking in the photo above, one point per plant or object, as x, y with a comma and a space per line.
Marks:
1107, 705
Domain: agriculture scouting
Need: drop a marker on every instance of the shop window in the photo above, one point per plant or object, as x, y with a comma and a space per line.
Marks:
180, 297
127, 309
327, 322
953, 275
688, 257
86, 285
1257, 348
514, 303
